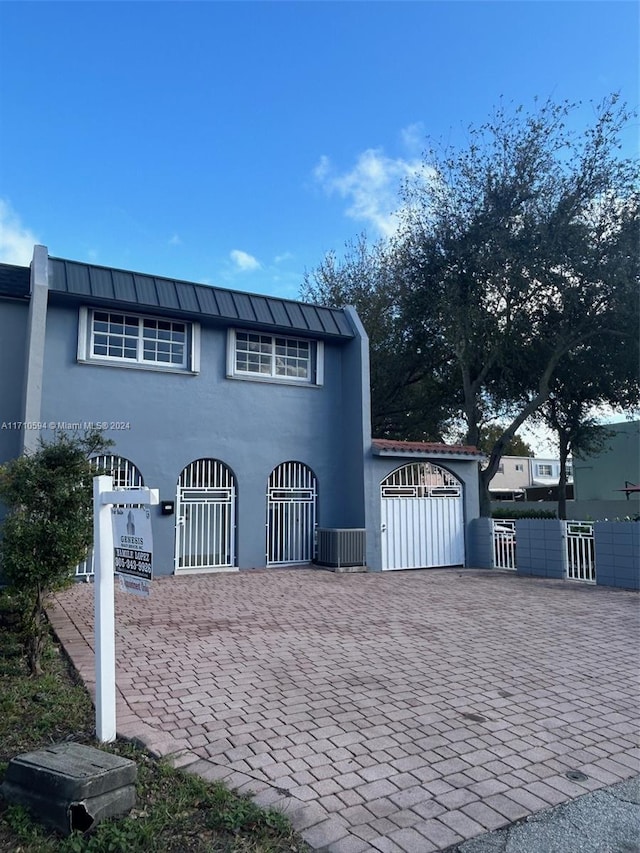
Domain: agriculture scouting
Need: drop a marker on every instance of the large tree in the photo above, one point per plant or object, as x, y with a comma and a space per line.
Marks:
411, 395
515, 254
593, 376
517, 446
514, 245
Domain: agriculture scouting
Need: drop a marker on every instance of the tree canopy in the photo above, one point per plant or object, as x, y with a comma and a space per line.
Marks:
514, 255
516, 446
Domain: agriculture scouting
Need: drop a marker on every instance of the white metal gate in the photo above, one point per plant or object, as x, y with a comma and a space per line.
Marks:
205, 518
422, 518
504, 543
291, 514
580, 551
125, 476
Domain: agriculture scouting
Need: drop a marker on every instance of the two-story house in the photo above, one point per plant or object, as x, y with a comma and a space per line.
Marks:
249, 413
526, 478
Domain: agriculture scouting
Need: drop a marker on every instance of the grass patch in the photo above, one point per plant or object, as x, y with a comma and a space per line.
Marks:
174, 811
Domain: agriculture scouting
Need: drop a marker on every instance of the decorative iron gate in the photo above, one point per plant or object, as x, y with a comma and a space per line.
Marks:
205, 518
422, 518
291, 514
125, 476
581, 558
504, 543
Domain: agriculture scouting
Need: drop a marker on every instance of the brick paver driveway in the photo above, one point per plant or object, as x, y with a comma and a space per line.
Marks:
396, 712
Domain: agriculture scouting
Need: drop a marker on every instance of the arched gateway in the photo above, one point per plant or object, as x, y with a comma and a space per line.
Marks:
422, 519
205, 518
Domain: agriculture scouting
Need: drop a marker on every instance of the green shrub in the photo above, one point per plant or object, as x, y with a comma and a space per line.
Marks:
48, 529
522, 513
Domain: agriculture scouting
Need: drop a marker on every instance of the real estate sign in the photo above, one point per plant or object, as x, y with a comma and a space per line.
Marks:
132, 548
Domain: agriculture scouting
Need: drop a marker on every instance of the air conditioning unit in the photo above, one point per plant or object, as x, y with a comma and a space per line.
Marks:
341, 547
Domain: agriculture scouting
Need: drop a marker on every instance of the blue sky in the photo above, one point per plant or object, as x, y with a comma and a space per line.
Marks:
235, 143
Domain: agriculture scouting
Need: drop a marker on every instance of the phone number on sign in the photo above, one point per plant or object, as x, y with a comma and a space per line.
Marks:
38, 425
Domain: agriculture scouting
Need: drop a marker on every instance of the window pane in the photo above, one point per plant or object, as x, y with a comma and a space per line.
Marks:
273, 356
159, 343
117, 336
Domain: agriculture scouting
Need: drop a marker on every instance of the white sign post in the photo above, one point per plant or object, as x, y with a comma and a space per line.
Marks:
105, 642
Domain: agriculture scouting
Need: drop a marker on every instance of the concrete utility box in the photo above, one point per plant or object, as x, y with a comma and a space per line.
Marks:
71, 786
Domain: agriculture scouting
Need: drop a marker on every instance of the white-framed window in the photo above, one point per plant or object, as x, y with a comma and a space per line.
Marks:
545, 470
501, 468
274, 358
136, 340
519, 466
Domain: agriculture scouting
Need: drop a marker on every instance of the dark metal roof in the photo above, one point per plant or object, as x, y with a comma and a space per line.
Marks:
387, 447
14, 281
198, 300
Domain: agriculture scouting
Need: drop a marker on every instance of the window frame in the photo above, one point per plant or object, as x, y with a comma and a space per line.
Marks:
548, 469
87, 332
316, 359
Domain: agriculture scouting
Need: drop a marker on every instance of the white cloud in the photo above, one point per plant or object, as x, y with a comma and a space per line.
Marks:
371, 185
413, 137
285, 256
322, 170
175, 240
243, 261
16, 241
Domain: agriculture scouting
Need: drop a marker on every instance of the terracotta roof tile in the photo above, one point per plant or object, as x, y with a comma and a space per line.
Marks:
432, 447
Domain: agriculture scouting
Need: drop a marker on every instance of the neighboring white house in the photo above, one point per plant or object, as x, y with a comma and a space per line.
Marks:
516, 474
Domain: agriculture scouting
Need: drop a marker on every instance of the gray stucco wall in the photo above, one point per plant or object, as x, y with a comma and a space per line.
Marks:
541, 547
13, 330
480, 552
578, 510
355, 409
378, 467
602, 477
617, 550
35, 343
250, 426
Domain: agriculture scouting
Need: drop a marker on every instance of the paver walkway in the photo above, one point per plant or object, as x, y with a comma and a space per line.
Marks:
404, 711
